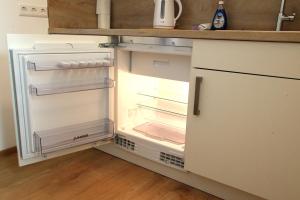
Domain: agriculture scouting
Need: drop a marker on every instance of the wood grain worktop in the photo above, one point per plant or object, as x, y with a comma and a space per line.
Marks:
238, 35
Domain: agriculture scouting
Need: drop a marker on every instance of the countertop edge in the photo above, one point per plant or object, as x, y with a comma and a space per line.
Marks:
235, 35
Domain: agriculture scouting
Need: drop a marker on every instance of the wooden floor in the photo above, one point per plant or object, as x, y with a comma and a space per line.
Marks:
88, 175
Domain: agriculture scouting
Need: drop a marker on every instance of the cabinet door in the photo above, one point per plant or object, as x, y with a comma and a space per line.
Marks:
63, 97
244, 131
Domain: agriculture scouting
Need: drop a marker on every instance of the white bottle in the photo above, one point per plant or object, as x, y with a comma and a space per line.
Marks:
103, 12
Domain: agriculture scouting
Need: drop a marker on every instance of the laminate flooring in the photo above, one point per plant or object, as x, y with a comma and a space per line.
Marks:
88, 175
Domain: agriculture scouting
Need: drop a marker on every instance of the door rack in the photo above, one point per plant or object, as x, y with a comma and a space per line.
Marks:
65, 65
42, 90
48, 141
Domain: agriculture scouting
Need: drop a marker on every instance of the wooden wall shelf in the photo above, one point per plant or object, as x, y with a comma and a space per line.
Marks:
263, 36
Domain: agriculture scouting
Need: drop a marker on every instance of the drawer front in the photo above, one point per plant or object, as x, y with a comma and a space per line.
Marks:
263, 58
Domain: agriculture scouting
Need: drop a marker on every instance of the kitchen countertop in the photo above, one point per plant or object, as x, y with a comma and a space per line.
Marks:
238, 35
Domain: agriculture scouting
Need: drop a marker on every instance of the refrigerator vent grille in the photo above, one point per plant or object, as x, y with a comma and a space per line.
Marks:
124, 143
171, 160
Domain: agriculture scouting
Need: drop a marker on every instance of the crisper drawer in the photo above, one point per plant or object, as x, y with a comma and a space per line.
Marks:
53, 140
165, 66
263, 58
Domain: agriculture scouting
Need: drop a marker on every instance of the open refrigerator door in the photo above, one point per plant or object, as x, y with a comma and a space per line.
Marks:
63, 94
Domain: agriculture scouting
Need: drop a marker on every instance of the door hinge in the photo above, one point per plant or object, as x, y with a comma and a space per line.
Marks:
115, 40
107, 45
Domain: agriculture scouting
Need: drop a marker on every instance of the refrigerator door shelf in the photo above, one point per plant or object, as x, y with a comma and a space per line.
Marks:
42, 90
65, 65
49, 141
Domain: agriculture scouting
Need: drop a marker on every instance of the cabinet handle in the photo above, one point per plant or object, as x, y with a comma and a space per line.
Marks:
197, 95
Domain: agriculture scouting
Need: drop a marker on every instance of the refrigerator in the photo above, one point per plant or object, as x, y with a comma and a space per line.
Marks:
72, 93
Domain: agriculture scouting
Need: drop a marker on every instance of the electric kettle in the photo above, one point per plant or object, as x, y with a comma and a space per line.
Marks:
164, 14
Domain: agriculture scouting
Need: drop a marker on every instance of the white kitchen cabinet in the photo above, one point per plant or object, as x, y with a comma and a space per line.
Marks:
70, 93
243, 125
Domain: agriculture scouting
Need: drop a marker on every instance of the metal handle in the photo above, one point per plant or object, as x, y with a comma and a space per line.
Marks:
162, 9
197, 95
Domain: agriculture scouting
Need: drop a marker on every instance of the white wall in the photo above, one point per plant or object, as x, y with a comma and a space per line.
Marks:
10, 22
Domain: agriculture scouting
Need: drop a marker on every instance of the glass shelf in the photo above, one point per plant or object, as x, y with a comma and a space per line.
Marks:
53, 140
163, 104
42, 90
162, 98
166, 111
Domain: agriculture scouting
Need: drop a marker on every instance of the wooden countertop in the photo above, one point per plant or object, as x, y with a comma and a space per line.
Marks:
263, 36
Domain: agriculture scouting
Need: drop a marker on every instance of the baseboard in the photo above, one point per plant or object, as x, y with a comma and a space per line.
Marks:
8, 151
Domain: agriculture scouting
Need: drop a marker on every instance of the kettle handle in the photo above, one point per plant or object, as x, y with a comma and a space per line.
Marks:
180, 10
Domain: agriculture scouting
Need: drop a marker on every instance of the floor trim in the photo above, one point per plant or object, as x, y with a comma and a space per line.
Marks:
8, 151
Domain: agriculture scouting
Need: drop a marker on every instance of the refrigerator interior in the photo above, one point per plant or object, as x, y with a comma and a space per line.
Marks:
153, 97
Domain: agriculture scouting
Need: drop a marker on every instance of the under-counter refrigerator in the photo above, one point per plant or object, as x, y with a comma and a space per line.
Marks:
77, 92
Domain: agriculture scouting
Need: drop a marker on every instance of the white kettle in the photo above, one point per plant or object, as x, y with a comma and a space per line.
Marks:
164, 14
